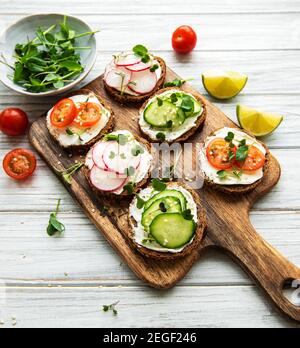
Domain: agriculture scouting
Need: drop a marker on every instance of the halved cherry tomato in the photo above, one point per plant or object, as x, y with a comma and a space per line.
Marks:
88, 114
254, 161
217, 153
63, 113
19, 164
13, 121
184, 39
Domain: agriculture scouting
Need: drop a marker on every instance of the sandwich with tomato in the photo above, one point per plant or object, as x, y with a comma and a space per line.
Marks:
79, 121
233, 161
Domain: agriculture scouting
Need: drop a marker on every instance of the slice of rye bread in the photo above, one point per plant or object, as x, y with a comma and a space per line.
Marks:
241, 189
169, 256
124, 194
200, 120
128, 98
81, 149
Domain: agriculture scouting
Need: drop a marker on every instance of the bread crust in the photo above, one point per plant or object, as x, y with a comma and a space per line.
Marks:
81, 149
240, 189
127, 98
168, 256
137, 186
200, 120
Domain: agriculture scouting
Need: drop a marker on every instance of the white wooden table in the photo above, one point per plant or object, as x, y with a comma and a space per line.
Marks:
65, 281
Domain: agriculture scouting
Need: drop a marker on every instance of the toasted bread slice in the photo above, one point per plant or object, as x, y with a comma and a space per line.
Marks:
200, 120
124, 193
241, 189
128, 98
83, 148
189, 248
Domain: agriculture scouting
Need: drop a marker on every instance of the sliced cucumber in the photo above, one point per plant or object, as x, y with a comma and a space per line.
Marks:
172, 230
167, 193
160, 206
162, 116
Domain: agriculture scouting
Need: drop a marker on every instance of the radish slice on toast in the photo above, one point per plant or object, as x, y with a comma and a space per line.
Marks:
127, 59
97, 155
119, 158
138, 67
105, 180
118, 78
143, 82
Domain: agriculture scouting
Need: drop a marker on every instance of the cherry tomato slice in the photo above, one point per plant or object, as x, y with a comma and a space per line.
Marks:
63, 113
217, 153
88, 115
19, 164
254, 161
13, 121
184, 39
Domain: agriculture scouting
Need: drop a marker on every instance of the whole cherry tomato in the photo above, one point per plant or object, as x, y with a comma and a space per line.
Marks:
184, 39
13, 121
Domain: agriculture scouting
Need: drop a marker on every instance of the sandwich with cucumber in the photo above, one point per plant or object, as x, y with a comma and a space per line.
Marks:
119, 164
166, 220
133, 76
172, 115
80, 120
233, 161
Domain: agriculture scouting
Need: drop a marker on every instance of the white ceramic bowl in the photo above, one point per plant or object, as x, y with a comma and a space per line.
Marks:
26, 27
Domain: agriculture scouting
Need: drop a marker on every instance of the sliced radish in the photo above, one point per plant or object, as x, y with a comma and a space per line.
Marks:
118, 78
97, 155
127, 59
105, 180
108, 68
138, 67
119, 158
143, 82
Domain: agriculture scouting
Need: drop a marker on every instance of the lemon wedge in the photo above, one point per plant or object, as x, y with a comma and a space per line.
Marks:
257, 122
223, 84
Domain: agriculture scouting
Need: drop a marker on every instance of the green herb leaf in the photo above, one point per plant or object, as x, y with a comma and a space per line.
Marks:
242, 153
130, 171
54, 226
169, 124
222, 174
229, 137
69, 131
142, 52
173, 98
242, 142
137, 150
154, 67
122, 139
159, 101
111, 307
112, 155
139, 202
174, 83
238, 174
129, 188
67, 174
187, 104
123, 156
187, 214
158, 185
162, 207
231, 155
160, 136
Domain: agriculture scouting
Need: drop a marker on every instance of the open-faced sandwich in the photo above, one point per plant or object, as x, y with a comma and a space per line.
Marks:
119, 164
78, 121
233, 161
171, 115
135, 75
166, 221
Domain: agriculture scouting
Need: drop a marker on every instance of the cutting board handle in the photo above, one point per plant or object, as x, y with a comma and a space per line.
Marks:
264, 263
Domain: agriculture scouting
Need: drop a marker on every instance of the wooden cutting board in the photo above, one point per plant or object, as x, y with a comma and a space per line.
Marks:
229, 227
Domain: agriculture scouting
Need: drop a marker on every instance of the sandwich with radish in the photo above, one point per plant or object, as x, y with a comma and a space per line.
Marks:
166, 220
80, 120
172, 115
133, 76
119, 164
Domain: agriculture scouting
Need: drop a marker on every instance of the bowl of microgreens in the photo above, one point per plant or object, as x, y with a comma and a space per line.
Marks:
46, 54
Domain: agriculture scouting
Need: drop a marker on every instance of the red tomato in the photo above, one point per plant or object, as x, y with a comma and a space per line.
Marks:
254, 161
63, 113
217, 153
88, 114
184, 39
19, 164
13, 121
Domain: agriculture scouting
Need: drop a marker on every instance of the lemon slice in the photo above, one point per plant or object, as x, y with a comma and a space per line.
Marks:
257, 122
223, 84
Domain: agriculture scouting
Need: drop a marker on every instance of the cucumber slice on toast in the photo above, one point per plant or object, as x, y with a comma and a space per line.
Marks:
167, 193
